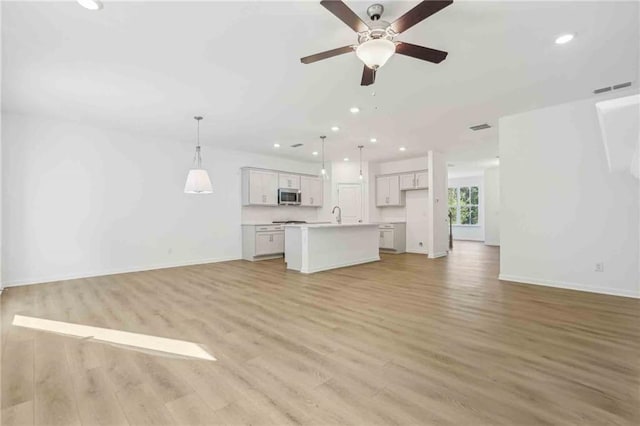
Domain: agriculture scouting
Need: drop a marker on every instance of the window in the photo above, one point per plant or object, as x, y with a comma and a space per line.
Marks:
463, 205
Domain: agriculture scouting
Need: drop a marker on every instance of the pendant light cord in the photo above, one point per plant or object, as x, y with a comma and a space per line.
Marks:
197, 159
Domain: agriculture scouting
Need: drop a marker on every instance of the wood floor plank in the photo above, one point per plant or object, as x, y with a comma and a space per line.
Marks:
142, 407
18, 415
191, 410
97, 404
407, 340
55, 402
17, 372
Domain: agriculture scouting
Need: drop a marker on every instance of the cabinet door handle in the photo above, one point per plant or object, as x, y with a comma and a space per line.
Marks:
311, 200
270, 238
381, 234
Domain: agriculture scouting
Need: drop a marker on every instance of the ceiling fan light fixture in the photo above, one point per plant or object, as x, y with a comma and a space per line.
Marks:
375, 53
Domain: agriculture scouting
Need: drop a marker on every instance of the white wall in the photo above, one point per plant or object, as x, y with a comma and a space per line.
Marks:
470, 232
561, 210
438, 238
81, 201
492, 206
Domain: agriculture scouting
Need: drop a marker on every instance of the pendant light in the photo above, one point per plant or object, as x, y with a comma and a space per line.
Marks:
323, 171
198, 181
360, 148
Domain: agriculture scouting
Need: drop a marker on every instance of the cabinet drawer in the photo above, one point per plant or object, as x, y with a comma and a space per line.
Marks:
386, 226
269, 228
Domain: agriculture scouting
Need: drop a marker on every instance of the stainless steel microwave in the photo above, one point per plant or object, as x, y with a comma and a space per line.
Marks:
288, 196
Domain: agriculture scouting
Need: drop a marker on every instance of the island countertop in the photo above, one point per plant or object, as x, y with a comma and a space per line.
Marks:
327, 225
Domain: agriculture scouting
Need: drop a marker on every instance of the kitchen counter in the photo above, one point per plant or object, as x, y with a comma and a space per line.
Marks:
319, 247
326, 225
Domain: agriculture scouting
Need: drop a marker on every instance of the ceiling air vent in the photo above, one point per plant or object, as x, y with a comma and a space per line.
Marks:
296, 145
602, 90
480, 127
615, 87
622, 85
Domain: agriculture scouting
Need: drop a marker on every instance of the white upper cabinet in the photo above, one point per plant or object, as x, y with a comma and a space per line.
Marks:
288, 181
311, 190
415, 180
388, 191
259, 187
422, 180
407, 181
394, 191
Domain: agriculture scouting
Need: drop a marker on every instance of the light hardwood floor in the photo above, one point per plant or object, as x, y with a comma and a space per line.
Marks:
403, 341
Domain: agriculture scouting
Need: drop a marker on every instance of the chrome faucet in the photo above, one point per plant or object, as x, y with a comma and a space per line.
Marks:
339, 217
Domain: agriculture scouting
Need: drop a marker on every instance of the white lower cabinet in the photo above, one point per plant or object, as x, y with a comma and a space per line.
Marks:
393, 237
269, 243
262, 241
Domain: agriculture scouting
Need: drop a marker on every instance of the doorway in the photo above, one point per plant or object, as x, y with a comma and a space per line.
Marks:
350, 202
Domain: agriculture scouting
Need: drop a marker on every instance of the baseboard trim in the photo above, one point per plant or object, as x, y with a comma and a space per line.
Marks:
567, 286
56, 278
342, 265
417, 251
437, 255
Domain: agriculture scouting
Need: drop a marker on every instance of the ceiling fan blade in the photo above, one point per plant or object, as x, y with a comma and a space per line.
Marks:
419, 52
419, 13
368, 76
328, 54
346, 15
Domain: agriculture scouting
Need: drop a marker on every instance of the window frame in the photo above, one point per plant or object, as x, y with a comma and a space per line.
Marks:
459, 207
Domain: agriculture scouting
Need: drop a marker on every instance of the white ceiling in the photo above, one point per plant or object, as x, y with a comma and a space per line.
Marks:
149, 67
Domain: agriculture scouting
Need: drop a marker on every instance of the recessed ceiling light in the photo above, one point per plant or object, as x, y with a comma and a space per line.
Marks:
335, 128
91, 4
346, 158
564, 38
373, 140
276, 145
354, 110
402, 148
314, 153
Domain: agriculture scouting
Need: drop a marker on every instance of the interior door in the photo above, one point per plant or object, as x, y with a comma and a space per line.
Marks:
350, 202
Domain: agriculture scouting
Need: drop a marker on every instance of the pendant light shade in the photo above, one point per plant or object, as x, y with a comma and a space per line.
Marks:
198, 181
375, 53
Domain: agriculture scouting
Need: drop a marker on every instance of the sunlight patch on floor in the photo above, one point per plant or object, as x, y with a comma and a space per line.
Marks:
136, 340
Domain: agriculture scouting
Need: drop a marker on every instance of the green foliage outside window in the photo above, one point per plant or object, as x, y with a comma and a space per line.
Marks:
464, 204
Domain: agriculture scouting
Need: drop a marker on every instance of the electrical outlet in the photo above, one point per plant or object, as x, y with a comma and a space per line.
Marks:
599, 267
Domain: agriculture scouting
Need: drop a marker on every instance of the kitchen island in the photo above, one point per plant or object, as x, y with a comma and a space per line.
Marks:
310, 248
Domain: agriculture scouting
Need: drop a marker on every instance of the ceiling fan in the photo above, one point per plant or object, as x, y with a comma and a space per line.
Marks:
376, 38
